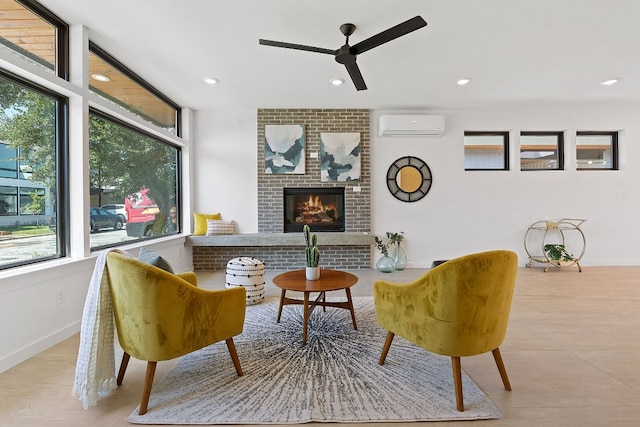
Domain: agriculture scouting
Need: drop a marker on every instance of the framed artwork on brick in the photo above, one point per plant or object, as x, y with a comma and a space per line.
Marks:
284, 149
340, 156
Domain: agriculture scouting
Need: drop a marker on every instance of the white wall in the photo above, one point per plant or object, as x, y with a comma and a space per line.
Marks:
468, 211
465, 211
225, 169
31, 316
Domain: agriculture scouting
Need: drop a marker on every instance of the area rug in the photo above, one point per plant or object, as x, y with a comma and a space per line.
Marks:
335, 377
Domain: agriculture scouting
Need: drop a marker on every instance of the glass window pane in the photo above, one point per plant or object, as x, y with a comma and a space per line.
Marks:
540, 151
8, 201
26, 33
111, 83
134, 169
486, 150
32, 201
27, 201
596, 151
8, 161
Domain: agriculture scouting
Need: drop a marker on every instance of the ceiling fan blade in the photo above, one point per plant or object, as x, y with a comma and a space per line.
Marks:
296, 46
392, 33
356, 76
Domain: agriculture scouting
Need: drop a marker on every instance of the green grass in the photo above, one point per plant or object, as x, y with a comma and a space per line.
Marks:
26, 230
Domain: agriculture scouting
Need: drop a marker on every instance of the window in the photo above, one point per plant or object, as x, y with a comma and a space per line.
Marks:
32, 129
32, 31
129, 164
541, 151
129, 167
486, 150
597, 150
112, 80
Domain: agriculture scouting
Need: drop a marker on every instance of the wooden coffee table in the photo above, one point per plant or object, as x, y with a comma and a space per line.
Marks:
330, 280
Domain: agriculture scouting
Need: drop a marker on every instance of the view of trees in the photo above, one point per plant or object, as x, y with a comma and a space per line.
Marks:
121, 160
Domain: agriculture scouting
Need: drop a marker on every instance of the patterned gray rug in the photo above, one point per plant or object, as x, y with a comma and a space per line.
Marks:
334, 378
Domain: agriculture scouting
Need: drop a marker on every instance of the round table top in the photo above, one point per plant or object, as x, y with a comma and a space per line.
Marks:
330, 280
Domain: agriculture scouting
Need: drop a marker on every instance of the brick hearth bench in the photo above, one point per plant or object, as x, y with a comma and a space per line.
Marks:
282, 251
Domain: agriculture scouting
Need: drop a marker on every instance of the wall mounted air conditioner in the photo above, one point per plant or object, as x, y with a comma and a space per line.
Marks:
411, 125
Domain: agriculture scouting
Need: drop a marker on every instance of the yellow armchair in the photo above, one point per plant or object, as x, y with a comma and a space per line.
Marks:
161, 316
459, 308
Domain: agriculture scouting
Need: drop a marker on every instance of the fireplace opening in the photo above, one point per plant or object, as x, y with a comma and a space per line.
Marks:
322, 209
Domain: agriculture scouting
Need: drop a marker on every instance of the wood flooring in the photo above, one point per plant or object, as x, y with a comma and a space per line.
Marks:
572, 353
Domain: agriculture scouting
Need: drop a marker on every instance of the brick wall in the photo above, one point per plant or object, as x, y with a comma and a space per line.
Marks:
283, 257
316, 121
270, 192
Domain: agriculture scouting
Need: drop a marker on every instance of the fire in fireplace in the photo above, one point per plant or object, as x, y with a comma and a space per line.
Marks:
320, 208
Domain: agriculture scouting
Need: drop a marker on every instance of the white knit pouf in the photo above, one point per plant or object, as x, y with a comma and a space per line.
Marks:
247, 272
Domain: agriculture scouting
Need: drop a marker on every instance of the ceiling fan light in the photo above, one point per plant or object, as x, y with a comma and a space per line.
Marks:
463, 81
210, 80
337, 82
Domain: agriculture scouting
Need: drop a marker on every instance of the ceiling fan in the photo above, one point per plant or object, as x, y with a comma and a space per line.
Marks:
347, 55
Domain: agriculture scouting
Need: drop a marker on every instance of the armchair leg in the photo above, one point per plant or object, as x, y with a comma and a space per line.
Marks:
123, 367
146, 390
385, 349
234, 356
503, 372
457, 382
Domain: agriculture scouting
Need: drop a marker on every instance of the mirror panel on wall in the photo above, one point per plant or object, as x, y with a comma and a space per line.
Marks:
409, 179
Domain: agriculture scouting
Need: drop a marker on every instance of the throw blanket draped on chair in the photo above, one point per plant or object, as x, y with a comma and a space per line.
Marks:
95, 367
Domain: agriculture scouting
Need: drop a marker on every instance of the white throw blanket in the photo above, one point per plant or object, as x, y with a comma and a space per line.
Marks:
95, 368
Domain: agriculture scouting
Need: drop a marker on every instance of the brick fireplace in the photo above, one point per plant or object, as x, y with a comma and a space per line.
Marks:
357, 196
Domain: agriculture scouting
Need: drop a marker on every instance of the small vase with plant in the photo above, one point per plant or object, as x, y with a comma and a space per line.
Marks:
312, 254
557, 252
398, 255
385, 264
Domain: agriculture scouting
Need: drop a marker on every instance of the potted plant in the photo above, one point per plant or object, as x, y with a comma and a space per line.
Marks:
557, 252
386, 264
398, 255
312, 254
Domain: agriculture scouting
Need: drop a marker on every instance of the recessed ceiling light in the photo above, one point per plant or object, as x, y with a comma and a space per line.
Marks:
210, 80
610, 82
462, 82
100, 77
337, 82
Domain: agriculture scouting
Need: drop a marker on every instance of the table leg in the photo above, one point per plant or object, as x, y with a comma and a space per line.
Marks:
353, 314
281, 304
305, 318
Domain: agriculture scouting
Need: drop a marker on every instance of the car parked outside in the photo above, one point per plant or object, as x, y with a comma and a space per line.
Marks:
117, 209
102, 218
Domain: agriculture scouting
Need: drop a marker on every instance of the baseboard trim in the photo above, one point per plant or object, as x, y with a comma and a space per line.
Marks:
37, 347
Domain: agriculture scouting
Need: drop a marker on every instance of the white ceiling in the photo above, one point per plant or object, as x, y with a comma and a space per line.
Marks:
518, 53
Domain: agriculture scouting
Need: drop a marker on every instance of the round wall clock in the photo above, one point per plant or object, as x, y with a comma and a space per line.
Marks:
409, 179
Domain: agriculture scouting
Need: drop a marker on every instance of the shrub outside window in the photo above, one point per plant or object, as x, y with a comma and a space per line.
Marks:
597, 150
541, 151
127, 166
486, 150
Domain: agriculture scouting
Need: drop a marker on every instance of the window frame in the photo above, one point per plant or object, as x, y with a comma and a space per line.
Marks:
505, 141
615, 164
61, 148
559, 148
179, 157
61, 65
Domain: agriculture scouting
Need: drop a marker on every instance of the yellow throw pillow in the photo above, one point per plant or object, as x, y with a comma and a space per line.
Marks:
200, 222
